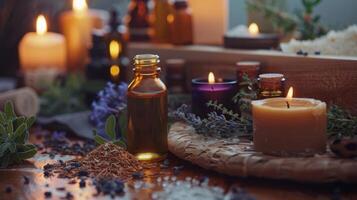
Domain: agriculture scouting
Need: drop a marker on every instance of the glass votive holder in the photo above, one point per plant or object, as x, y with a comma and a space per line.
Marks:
271, 85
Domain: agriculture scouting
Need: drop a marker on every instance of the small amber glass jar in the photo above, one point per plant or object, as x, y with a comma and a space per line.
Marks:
271, 85
249, 68
147, 110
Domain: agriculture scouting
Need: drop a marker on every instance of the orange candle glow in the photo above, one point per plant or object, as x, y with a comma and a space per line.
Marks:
289, 126
253, 29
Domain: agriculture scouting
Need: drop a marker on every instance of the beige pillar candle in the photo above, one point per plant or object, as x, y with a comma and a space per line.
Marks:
42, 55
210, 20
289, 126
76, 27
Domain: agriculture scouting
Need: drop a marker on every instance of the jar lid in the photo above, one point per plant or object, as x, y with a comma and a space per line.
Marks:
247, 65
271, 77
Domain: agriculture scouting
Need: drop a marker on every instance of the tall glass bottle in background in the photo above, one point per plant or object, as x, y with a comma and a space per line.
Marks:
137, 20
180, 23
147, 110
159, 23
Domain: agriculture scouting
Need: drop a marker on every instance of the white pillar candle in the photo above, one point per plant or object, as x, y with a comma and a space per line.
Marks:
289, 126
42, 55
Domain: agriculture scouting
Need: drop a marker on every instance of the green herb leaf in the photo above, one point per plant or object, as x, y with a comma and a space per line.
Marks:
30, 121
28, 151
12, 147
19, 134
9, 110
120, 143
98, 139
110, 127
2, 130
2, 118
5, 161
3, 148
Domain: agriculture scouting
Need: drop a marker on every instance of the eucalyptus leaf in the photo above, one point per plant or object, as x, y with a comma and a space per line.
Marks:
110, 127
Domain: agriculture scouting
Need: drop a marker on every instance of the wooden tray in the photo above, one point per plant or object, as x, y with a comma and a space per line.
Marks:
240, 159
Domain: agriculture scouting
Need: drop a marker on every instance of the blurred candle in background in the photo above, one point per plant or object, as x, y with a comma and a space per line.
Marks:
42, 55
209, 16
114, 51
76, 26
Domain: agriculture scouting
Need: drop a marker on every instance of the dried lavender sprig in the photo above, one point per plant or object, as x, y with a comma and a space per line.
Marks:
111, 100
215, 124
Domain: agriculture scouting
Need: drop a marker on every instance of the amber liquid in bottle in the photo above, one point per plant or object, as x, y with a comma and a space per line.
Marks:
147, 111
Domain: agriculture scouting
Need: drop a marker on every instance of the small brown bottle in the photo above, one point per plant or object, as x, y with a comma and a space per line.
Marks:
137, 20
180, 23
147, 110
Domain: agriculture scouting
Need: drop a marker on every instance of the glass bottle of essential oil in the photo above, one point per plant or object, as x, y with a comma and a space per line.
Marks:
147, 110
271, 85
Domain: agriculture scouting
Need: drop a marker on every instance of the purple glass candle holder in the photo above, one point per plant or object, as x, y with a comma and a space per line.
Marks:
202, 92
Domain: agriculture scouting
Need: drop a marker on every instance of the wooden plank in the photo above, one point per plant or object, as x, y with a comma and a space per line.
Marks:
329, 78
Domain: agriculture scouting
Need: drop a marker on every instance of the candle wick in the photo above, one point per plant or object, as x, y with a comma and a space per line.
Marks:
287, 104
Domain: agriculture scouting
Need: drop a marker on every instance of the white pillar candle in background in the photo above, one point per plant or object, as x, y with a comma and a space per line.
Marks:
210, 20
42, 55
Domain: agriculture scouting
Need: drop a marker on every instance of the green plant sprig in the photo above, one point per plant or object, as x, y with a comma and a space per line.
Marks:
64, 96
110, 130
14, 134
341, 123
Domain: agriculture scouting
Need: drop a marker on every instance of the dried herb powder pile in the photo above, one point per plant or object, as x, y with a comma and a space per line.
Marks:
106, 161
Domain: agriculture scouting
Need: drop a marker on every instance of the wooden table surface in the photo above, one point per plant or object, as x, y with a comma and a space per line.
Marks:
257, 188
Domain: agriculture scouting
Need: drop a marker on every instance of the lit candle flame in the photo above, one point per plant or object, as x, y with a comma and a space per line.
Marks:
114, 49
79, 5
253, 29
211, 78
289, 96
114, 70
41, 25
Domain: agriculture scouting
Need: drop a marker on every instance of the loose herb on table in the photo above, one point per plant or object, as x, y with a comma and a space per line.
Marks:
14, 134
